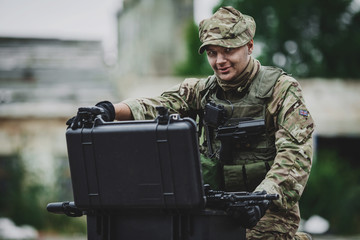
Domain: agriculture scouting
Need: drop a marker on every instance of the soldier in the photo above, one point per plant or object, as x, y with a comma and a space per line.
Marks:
279, 162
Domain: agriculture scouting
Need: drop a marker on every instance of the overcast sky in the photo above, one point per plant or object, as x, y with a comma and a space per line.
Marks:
71, 19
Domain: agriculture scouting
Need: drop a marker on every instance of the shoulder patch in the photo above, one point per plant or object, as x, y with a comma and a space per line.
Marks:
303, 112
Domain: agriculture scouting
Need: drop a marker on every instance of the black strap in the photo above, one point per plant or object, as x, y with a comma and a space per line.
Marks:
267, 166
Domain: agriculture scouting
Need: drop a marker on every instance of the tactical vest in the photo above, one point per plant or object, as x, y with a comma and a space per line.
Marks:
248, 164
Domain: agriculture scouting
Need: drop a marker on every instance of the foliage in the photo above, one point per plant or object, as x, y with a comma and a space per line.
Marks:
305, 38
25, 201
18, 202
195, 64
333, 192
12, 173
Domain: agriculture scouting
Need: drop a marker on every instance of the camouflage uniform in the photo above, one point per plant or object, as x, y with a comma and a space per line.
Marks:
287, 119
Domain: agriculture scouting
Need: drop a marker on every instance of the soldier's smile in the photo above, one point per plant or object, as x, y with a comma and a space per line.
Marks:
224, 70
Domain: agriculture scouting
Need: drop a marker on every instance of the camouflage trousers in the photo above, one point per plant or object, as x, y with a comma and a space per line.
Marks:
277, 236
278, 224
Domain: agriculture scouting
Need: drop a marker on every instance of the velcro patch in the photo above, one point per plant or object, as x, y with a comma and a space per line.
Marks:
304, 113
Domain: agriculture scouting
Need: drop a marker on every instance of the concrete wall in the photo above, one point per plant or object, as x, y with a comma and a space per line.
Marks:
151, 36
334, 104
42, 84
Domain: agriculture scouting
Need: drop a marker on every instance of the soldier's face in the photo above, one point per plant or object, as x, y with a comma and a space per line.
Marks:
228, 63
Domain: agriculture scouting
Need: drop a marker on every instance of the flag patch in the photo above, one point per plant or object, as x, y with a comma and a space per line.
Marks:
303, 113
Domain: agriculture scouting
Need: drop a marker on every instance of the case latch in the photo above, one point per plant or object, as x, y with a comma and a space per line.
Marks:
163, 115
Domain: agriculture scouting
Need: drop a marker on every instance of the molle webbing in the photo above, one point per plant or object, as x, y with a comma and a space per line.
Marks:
248, 167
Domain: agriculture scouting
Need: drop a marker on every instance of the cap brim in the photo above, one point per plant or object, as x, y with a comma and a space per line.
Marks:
227, 43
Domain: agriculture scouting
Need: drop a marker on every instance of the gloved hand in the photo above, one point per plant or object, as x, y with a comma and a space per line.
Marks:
84, 115
109, 111
249, 216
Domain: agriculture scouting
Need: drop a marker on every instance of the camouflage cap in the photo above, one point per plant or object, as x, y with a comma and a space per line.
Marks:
227, 28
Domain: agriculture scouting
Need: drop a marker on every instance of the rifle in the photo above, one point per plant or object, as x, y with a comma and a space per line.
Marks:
242, 132
214, 199
235, 200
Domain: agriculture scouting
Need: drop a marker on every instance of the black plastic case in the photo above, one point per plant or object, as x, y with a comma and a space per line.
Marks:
136, 164
207, 225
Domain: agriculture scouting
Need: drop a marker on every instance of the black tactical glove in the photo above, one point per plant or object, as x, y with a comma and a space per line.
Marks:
86, 115
249, 216
109, 111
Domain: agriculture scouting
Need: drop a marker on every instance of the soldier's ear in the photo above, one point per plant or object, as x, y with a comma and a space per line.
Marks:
250, 46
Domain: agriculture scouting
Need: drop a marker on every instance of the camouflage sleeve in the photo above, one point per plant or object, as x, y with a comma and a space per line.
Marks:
293, 139
182, 99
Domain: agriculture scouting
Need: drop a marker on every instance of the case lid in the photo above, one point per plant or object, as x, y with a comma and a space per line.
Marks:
136, 164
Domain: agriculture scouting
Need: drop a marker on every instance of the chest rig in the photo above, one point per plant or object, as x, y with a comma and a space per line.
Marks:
243, 161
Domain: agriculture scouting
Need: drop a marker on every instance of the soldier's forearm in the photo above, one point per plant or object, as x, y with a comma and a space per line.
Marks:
122, 112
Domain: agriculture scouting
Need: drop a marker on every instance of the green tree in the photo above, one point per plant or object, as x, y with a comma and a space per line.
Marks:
307, 38
25, 202
333, 191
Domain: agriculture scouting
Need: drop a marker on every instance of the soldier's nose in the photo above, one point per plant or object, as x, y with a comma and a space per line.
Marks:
220, 59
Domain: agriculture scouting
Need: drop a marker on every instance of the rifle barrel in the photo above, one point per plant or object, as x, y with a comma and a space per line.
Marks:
256, 197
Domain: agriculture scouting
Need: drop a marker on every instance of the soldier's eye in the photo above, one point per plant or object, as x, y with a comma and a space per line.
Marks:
228, 50
211, 53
